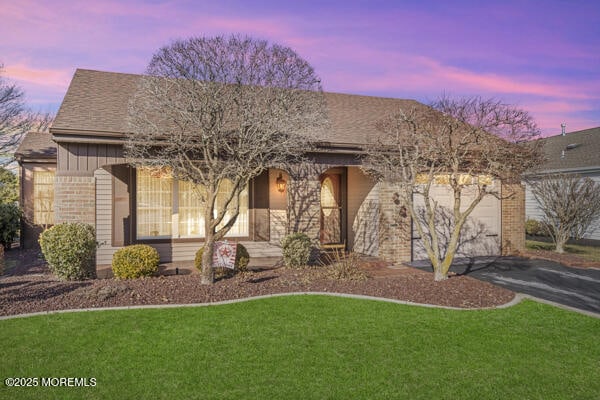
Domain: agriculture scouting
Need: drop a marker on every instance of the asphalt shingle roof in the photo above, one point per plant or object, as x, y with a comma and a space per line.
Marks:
96, 102
36, 145
581, 150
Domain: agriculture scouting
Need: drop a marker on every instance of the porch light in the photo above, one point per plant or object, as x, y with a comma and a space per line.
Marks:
280, 182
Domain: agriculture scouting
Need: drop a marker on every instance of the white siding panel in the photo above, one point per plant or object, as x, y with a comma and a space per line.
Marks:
104, 217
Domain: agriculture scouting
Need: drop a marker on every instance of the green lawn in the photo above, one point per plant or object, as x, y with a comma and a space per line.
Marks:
308, 347
591, 253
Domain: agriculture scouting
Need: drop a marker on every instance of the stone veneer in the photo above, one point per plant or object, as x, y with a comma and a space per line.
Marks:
513, 219
75, 199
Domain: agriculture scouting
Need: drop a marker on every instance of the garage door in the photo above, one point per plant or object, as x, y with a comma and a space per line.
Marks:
481, 233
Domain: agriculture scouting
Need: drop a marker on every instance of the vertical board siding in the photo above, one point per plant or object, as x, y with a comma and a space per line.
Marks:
85, 158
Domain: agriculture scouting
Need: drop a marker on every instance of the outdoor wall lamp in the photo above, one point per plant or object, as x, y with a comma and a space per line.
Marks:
280, 182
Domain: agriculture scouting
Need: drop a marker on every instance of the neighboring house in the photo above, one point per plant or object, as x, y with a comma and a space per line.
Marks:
37, 160
330, 198
569, 153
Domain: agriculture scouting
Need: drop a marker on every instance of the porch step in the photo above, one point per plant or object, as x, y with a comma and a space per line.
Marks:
262, 249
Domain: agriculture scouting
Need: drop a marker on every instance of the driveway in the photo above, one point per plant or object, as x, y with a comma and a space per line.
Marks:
574, 287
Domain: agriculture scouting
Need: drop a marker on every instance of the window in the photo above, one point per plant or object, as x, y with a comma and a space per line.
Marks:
191, 210
154, 203
43, 197
240, 228
171, 208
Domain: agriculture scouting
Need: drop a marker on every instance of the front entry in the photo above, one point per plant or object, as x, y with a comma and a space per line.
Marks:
333, 214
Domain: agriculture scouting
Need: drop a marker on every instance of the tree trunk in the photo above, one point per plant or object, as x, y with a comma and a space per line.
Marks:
208, 275
440, 271
560, 241
439, 275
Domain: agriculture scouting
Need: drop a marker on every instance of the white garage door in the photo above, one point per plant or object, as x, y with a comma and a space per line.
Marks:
481, 233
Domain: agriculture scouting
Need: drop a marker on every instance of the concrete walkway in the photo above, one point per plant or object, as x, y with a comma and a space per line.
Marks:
547, 280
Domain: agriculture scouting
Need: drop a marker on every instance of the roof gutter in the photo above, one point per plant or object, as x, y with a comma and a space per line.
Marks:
563, 170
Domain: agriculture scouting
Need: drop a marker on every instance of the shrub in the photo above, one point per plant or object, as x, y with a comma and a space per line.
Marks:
533, 227
1, 260
242, 259
10, 222
344, 266
296, 249
135, 261
69, 249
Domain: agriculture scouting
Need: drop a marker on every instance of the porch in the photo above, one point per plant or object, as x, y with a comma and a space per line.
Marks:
263, 255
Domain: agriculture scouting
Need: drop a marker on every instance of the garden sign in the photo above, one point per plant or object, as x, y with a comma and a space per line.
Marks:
224, 254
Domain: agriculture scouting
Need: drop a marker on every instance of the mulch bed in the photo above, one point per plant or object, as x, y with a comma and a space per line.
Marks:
29, 287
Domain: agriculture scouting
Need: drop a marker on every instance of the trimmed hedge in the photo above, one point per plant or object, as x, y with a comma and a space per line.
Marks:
296, 249
69, 248
242, 259
135, 261
534, 228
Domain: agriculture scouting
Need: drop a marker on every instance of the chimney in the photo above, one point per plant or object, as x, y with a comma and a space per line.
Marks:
564, 127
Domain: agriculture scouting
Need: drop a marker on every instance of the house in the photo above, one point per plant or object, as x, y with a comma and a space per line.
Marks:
569, 153
330, 198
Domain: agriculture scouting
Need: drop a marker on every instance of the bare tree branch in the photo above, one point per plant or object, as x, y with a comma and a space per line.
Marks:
570, 204
464, 144
16, 119
216, 109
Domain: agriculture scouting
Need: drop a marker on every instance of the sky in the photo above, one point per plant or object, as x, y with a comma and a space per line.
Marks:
542, 56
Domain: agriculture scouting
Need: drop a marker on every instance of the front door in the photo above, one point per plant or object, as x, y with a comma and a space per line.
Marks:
332, 209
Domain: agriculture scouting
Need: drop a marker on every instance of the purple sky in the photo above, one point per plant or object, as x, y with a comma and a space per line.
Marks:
543, 56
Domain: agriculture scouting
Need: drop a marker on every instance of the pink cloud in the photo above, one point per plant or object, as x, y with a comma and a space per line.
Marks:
415, 72
55, 78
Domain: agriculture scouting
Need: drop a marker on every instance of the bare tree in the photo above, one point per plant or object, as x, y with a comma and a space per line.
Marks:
217, 109
570, 204
464, 144
16, 118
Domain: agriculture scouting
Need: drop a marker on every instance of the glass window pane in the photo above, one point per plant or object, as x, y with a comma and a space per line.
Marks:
43, 197
154, 203
191, 210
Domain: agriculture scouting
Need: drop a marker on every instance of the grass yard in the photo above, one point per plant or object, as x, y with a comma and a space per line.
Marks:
591, 253
307, 347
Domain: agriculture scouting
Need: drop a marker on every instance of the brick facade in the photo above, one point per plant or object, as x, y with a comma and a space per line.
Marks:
513, 219
395, 243
75, 199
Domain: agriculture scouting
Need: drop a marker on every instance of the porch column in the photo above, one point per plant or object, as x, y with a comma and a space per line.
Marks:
513, 219
395, 242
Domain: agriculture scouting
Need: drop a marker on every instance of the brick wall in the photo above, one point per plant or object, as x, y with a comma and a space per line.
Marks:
75, 199
513, 219
395, 236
